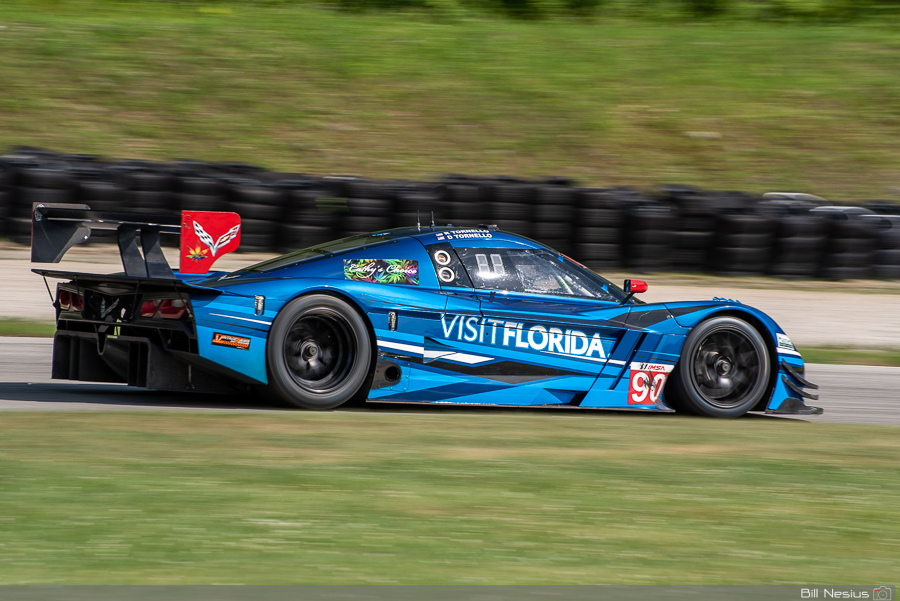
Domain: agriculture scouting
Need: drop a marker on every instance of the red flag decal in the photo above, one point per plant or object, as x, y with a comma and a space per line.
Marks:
206, 236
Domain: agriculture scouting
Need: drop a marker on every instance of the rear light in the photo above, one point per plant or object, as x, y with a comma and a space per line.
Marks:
148, 308
172, 308
70, 301
164, 308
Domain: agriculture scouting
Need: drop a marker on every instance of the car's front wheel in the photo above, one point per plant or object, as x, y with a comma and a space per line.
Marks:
723, 371
319, 353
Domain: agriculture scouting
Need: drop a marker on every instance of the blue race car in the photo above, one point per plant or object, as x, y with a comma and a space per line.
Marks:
440, 315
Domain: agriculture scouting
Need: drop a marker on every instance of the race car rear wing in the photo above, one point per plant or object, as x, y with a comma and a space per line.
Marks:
58, 227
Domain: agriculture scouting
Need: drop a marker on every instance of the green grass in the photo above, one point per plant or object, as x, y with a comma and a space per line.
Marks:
852, 355
723, 104
444, 497
10, 326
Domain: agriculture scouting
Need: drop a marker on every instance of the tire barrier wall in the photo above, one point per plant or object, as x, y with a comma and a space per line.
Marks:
675, 228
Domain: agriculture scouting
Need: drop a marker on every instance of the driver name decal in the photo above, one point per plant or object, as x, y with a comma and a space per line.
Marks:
646, 382
382, 271
569, 343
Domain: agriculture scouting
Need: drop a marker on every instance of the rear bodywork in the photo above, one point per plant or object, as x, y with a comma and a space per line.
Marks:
438, 339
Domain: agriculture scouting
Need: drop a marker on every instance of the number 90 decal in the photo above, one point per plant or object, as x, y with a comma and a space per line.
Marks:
646, 382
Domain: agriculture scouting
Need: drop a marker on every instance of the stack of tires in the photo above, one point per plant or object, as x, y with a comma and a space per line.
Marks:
307, 219
99, 189
261, 207
509, 205
7, 191
849, 251
647, 234
464, 200
148, 188
197, 190
598, 224
554, 214
743, 239
799, 238
43, 182
886, 264
417, 203
369, 205
694, 230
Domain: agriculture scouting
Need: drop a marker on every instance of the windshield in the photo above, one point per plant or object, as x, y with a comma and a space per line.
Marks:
535, 271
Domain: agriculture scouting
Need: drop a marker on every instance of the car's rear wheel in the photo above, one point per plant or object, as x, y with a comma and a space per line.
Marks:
723, 371
319, 353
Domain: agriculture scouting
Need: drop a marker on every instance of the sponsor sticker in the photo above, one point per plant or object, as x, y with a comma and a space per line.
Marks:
785, 342
465, 235
646, 382
569, 343
382, 271
230, 341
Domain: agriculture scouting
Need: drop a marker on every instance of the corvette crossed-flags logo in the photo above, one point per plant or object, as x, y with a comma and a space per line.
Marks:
222, 241
195, 235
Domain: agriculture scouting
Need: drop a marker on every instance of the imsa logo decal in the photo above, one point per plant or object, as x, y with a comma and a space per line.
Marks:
220, 339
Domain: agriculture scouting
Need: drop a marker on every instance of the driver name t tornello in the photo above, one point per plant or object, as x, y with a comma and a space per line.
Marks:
499, 332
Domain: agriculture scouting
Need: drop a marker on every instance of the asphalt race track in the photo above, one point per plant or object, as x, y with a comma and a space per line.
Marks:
848, 393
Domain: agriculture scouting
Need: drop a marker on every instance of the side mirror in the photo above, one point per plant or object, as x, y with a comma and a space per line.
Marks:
635, 286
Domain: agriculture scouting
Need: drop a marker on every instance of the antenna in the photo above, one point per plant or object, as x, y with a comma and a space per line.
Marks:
432, 220
418, 221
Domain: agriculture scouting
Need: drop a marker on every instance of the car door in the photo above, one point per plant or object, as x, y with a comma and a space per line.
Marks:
550, 318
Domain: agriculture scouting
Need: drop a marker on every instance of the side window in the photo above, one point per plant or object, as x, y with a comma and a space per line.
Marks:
447, 267
491, 268
531, 271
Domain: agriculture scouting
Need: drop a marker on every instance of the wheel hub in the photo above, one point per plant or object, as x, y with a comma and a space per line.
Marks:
308, 350
723, 367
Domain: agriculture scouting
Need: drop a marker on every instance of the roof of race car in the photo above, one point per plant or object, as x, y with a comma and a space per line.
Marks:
480, 236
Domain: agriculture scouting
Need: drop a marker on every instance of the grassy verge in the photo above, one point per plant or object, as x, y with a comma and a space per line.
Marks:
23, 327
852, 355
726, 104
444, 498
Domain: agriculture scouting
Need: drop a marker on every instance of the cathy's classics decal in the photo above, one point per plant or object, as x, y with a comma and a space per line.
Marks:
573, 344
382, 271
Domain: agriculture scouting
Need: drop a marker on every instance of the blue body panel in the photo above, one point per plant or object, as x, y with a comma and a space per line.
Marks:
458, 344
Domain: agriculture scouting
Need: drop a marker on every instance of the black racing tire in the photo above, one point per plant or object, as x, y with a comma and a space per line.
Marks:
599, 217
723, 371
598, 235
691, 240
200, 202
319, 353
500, 211
199, 186
553, 213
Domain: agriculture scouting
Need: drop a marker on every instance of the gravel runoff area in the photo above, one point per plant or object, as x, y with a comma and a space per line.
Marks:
865, 314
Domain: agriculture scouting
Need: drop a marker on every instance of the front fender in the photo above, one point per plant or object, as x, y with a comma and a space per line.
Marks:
782, 396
